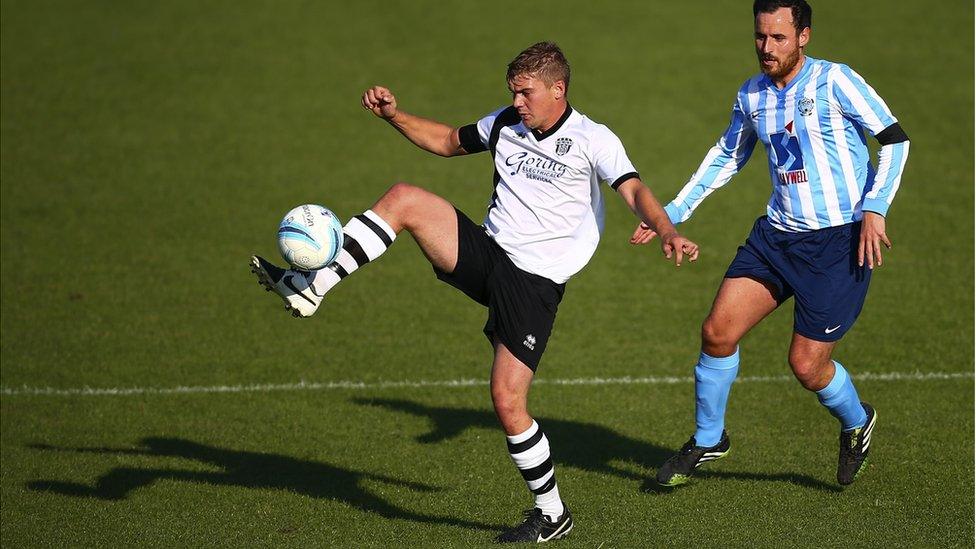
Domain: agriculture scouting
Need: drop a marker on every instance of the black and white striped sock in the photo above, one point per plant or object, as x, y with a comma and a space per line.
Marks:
367, 236
530, 452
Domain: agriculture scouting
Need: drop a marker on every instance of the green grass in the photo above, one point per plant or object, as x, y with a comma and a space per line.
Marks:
147, 149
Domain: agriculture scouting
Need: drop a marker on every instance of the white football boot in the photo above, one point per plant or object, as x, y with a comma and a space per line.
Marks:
292, 285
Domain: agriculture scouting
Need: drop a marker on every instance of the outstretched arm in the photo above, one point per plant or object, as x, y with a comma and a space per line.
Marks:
429, 135
723, 160
654, 219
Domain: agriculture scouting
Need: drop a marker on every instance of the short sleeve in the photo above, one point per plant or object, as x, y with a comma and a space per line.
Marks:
474, 137
610, 160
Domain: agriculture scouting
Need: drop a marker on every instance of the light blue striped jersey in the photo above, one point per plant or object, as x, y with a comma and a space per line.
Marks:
819, 163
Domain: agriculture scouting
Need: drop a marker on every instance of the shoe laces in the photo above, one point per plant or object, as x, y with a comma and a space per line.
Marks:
849, 443
531, 515
684, 451
531, 519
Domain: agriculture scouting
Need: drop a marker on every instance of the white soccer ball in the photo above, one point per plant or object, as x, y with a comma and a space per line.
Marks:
310, 237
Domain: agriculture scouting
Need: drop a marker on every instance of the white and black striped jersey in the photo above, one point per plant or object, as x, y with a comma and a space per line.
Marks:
547, 211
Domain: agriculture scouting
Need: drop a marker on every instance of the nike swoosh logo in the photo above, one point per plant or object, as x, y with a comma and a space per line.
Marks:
292, 287
312, 289
831, 330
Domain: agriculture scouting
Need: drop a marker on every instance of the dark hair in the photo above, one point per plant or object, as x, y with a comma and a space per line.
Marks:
543, 60
802, 12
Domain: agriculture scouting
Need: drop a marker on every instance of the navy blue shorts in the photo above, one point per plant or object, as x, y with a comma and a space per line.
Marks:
819, 268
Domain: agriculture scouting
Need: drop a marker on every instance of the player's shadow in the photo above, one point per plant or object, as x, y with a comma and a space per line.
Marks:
584, 446
581, 445
651, 486
245, 469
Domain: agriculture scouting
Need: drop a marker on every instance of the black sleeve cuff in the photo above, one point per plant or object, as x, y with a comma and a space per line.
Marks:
620, 180
892, 134
470, 142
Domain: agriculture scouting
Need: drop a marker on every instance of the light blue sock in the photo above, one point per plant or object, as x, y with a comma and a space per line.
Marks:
840, 398
713, 380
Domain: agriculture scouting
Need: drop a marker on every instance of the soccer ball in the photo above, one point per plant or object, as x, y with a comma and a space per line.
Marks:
310, 237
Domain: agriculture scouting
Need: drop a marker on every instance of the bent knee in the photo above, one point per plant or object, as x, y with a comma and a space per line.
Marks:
402, 206
718, 339
812, 372
509, 407
506, 402
402, 192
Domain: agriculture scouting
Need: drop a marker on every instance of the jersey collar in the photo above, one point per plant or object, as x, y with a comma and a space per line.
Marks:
804, 71
539, 136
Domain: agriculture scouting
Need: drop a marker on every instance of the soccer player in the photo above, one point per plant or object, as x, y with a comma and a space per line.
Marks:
819, 241
542, 226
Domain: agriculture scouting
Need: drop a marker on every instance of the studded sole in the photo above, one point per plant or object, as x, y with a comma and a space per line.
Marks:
265, 280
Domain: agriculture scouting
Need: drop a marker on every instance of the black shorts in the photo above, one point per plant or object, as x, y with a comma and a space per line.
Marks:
521, 306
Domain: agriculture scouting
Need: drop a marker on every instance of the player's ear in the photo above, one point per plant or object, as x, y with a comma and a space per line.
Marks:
558, 89
804, 37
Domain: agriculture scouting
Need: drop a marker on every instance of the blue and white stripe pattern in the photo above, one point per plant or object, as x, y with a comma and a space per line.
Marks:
294, 231
819, 163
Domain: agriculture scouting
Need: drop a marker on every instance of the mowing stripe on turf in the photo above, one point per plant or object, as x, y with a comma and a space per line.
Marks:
328, 385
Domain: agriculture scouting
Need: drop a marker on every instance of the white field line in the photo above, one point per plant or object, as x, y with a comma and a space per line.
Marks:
452, 383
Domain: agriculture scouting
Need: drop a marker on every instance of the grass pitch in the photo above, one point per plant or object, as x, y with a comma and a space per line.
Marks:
148, 149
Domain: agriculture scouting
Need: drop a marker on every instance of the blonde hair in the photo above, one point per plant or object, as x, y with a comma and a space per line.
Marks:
544, 61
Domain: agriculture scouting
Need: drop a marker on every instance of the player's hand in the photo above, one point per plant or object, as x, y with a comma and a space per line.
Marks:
872, 236
678, 246
381, 101
642, 234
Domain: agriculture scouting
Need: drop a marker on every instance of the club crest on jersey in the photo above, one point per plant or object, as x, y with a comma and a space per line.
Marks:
562, 145
805, 106
788, 157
